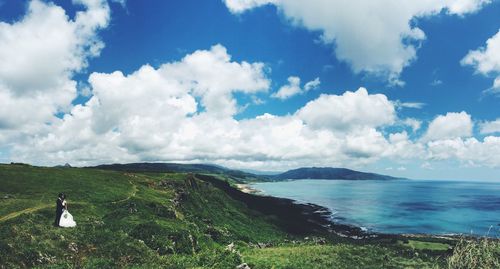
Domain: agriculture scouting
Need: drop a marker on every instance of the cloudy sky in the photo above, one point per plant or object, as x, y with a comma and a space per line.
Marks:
406, 88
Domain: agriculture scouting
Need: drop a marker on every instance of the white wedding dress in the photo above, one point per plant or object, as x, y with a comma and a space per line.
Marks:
66, 218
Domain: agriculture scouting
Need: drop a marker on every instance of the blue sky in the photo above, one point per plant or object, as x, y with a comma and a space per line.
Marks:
280, 40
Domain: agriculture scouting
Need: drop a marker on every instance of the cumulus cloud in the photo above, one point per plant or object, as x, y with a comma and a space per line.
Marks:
470, 151
349, 111
490, 127
377, 37
39, 55
486, 61
172, 114
186, 110
238, 6
415, 124
293, 88
163, 113
451, 125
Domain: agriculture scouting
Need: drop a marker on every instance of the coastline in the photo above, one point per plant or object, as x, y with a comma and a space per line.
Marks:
323, 216
247, 188
308, 218
414, 226
294, 217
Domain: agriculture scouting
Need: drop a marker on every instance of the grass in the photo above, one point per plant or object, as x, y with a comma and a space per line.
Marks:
480, 253
124, 220
334, 256
425, 245
174, 220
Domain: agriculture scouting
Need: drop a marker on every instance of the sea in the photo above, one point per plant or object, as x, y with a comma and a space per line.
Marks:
401, 206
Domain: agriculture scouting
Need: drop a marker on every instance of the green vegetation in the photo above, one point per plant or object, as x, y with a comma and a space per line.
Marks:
176, 220
425, 245
481, 253
334, 256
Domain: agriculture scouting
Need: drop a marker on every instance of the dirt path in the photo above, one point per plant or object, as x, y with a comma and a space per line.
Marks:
15, 214
31, 210
27, 210
132, 193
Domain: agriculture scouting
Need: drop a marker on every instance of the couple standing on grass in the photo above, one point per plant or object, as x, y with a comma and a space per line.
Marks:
63, 217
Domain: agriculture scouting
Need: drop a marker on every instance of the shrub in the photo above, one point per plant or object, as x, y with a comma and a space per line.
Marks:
165, 240
475, 253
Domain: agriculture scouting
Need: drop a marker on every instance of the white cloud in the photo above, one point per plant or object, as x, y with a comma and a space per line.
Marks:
401, 147
413, 123
311, 85
289, 90
39, 55
461, 7
154, 115
377, 37
449, 126
293, 88
238, 6
495, 89
348, 111
486, 60
470, 151
415, 105
490, 127
185, 111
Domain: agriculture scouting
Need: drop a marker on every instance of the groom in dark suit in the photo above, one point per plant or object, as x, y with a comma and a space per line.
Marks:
59, 208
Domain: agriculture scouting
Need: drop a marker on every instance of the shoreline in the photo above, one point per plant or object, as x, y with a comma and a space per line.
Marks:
317, 214
308, 218
246, 188
353, 231
324, 216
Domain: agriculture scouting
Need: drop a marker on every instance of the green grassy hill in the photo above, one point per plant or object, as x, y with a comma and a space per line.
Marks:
175, 220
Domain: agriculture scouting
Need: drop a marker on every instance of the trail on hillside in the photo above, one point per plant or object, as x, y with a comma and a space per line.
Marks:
15, 214
131, 194
31, 210
27, 210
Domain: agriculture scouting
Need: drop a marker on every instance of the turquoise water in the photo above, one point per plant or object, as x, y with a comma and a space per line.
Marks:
401, 206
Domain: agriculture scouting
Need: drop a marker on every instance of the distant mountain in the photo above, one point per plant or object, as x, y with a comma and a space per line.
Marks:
162, 167
329, 173
243, 176
237, 175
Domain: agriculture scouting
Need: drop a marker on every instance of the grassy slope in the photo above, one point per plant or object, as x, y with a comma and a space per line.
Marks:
170, 220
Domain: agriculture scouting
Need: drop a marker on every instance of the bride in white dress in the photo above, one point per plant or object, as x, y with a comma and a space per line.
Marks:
66, 217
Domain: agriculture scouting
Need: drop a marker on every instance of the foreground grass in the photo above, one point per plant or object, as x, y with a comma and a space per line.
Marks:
173, 220
334, 256
481, 253
124, 220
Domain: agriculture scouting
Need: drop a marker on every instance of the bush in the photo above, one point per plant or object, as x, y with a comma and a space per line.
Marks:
164, 239
476, 253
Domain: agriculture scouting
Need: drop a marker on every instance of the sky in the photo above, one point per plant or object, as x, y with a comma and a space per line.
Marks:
405, 88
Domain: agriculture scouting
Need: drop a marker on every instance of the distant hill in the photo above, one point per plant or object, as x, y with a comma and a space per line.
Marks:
329, 173
162, 167
244, 177
236, 175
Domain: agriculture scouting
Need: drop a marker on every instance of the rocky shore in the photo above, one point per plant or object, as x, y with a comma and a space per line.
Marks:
312, 217
296, 218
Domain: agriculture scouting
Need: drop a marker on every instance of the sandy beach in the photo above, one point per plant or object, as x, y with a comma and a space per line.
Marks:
246, 188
